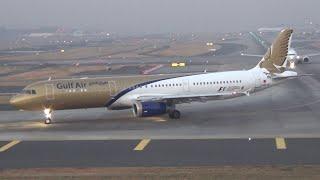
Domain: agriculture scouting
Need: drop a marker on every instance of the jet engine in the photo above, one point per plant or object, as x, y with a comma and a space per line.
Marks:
142, 109
306, 59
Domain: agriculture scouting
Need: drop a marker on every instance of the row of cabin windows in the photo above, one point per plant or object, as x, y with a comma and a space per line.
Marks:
198, 83
165, 85
75, 90
156, 85
217, 82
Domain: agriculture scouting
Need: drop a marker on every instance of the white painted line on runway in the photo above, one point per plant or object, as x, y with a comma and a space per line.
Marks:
281, 143
9, 145
142, 144
152, 69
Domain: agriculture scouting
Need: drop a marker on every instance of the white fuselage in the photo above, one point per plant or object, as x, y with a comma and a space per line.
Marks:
209, 84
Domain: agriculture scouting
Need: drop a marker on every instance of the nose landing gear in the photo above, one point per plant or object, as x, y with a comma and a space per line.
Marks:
48, 113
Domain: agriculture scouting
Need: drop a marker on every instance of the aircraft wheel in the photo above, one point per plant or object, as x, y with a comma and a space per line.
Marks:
175, 114
48, 121
170, 115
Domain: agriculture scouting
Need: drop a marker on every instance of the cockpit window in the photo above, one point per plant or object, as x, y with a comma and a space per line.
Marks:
29, 91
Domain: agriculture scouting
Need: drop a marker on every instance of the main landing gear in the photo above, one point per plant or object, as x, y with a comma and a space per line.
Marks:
48, 113
174, 114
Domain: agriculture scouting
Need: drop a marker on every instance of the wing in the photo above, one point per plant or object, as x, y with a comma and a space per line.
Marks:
179, 99
311, 55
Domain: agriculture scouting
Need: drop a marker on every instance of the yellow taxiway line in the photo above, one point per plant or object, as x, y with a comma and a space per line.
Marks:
142, 144
9, 145
281, 143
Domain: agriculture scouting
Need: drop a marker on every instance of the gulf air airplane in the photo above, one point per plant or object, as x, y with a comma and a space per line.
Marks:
152, 95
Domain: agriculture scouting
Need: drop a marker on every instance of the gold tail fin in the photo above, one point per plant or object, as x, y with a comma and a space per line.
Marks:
276, 55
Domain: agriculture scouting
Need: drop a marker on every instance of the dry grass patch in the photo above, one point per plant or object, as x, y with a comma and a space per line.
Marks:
10, 69
52, 72
74, 53
14, 83
185, 49
137, 173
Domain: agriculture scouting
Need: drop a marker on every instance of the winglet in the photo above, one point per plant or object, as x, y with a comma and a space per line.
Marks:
276, 55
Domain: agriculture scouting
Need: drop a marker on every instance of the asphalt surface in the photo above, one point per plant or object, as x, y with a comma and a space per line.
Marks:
121, 153
236, 131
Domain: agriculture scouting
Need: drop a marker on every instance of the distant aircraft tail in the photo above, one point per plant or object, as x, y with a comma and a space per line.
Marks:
275, 59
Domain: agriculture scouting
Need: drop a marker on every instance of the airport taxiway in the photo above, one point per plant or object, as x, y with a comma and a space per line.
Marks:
159, 153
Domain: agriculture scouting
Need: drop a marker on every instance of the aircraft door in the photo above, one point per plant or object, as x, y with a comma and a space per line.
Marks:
185, 84
256, 78
259, 80
49, 91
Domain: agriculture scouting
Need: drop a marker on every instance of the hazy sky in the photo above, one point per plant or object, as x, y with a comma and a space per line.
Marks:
156, 16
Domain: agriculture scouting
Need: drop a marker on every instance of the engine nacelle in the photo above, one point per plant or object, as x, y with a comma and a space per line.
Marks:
306, 59
142, 109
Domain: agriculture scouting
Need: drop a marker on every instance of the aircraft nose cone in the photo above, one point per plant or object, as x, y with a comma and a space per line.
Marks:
21, 102
16, 101
13, 101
